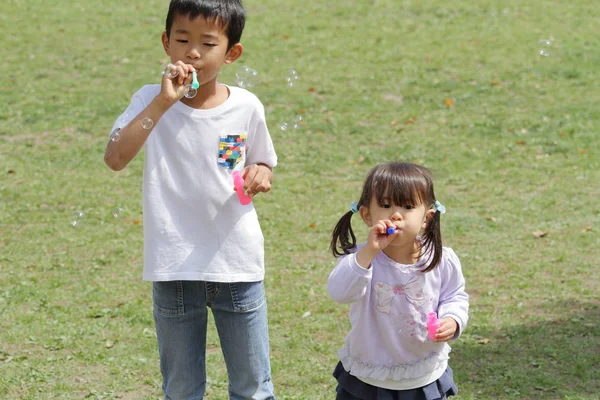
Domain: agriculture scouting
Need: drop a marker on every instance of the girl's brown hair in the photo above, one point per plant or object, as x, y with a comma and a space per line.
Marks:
403, 184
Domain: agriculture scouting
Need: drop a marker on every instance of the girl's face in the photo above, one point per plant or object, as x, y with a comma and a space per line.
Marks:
409, 219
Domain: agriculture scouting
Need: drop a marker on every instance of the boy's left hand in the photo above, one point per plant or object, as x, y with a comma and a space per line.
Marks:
447, 329
257, 178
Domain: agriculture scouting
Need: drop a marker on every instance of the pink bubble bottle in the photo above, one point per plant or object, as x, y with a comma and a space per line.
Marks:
238, 184
432, 324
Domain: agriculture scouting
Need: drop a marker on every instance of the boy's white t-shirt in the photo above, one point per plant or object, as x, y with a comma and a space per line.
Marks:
194, 225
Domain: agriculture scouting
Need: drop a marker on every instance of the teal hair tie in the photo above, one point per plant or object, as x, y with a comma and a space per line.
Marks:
439, 207
354, 207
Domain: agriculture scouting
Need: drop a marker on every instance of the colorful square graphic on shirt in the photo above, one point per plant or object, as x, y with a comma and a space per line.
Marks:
231, 150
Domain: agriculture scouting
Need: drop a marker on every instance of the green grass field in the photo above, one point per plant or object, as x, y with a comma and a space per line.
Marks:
461, 87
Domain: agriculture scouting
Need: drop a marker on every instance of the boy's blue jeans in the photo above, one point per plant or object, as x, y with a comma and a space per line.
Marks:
240, 313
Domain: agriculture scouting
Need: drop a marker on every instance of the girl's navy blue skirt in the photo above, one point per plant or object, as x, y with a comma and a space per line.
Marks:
351, 388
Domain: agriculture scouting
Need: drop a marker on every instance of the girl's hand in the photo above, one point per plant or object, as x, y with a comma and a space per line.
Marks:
377, 240
173, 89
447, 329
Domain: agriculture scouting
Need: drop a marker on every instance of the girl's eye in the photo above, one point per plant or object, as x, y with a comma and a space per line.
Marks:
385, 206
409, 207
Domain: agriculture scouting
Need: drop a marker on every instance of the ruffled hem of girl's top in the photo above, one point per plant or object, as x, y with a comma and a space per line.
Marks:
361, 368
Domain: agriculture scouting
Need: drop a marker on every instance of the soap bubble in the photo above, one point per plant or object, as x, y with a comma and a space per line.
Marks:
544, 46
117, 212
115, 135
170, 71
246, 77
147, 123
292, 77
191, 92
296, 121
77, 218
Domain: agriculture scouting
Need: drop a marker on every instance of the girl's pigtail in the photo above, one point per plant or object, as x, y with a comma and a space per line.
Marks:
342, 238
432, 241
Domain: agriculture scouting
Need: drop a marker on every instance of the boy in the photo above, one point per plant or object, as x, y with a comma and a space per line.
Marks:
202, 248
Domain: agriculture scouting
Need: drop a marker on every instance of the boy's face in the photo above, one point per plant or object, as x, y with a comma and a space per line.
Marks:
201, 43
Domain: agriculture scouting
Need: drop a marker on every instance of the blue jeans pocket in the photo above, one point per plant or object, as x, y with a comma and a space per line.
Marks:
247, 296
168, 298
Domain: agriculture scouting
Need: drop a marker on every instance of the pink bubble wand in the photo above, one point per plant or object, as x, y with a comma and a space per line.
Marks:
238, 184
433, 323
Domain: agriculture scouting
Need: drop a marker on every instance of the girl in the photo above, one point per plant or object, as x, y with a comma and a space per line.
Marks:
392, 281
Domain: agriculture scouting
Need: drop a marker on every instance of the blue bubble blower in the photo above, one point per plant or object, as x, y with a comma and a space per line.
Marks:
390, 231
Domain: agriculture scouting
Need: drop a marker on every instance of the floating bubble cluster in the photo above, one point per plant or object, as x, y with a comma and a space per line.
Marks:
544, 46
246, 77
117, 212
292, 78
77, 219
294, 124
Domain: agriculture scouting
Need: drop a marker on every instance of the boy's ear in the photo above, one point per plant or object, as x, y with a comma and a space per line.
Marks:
234, 53
365, 215
165, 42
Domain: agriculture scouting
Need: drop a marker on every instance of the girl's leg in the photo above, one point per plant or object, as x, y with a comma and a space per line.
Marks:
180, 316
240, 312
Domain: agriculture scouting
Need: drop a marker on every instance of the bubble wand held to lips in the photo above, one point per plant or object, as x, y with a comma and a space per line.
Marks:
195, 84
192, 88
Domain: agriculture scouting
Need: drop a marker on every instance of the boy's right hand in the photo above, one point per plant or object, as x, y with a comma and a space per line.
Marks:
173, 89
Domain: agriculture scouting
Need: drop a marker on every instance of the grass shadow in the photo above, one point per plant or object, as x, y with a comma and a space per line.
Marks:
553, 354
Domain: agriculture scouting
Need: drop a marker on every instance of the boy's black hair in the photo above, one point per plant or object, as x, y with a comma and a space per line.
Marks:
403, 184
229, 13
